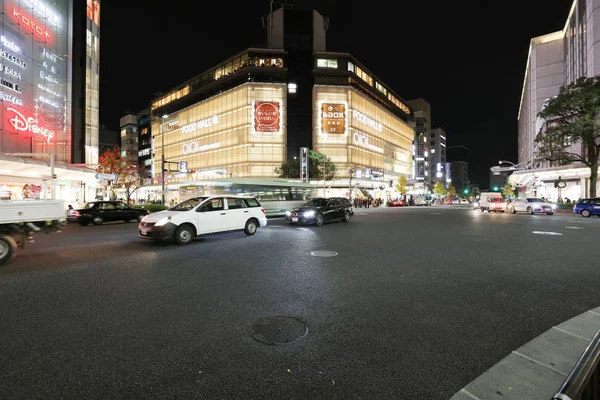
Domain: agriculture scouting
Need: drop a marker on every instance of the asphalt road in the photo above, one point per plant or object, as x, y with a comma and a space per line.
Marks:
418, 302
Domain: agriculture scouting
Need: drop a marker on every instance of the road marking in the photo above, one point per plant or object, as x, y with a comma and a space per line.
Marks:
324, 253
547, 233
574, 227
435, 213
580, 221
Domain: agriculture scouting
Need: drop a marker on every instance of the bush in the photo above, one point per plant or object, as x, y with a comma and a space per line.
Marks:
155, 207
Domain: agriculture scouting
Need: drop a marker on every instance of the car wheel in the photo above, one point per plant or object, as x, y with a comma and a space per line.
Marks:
512, 210
346, 217
126, 220
501, 211
319, 220
251, 227
83, 223
586, 213
97, 220
550, 213
529, 210
184, 234
8, 248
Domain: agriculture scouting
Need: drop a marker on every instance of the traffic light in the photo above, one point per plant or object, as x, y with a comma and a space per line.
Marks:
496, 188
466, 191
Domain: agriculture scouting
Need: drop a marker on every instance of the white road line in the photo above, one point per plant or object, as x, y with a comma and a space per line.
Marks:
435, 213
546, 233
573, 227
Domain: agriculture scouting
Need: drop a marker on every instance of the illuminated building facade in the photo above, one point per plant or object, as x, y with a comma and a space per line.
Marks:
48, 103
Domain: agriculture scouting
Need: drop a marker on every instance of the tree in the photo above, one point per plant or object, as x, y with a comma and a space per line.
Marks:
319, 166
401, 185
572, 117
439, 189
507, 191
128, 173
451, 191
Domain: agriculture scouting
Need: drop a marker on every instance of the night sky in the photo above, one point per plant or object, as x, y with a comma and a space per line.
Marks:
467, 58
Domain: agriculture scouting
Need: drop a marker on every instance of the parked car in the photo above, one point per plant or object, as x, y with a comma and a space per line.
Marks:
317, 211
98, 212
464, 201
397, 203
531, 205
587, 207
494, 204
202, 216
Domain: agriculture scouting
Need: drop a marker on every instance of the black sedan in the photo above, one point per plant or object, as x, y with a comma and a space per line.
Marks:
98, 212
316, 211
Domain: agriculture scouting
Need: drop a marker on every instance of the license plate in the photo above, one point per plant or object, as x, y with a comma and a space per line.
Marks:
294, 219
144, 232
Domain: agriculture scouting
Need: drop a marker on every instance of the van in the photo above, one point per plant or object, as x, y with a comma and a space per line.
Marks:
485, 202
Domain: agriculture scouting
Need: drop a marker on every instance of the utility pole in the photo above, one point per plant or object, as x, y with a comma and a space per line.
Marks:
350, 172
162, 152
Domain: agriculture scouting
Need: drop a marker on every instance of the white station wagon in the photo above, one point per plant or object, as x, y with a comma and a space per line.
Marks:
202, 216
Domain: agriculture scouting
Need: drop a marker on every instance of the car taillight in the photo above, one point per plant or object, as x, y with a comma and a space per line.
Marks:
263, 211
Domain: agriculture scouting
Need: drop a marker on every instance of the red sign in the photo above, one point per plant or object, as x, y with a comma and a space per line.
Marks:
33, 26
266, 116
21, 123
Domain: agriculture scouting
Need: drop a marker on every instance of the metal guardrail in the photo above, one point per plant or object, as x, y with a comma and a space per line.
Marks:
583, 383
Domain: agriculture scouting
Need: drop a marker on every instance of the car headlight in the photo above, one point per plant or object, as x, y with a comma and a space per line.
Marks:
309, 214
162, 221
288, 213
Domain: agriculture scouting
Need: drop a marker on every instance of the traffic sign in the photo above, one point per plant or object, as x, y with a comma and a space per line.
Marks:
110, 177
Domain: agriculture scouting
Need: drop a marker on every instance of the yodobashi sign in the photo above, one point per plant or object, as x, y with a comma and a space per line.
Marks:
333, 118
203, 123
362, 118
266, 116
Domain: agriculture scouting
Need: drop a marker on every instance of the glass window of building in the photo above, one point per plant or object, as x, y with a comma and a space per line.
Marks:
380, 87
327, 63
350, 66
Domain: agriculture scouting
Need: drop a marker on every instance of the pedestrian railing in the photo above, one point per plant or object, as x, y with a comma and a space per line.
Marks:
583, 383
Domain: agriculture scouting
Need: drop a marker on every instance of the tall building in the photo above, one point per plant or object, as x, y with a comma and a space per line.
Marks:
437, 155
241, 119
145, 145
459, 167
421, 171
49, 93
129, 137
554, 60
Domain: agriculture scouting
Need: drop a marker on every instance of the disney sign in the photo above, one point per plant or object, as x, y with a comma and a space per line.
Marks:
22, 123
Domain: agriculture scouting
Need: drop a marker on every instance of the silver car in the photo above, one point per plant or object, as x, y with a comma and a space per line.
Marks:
531, 205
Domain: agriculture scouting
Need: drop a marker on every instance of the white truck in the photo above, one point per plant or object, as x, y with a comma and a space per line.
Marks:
490, 201
19, 219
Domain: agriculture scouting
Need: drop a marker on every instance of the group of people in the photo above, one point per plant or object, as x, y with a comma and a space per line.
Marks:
366, 203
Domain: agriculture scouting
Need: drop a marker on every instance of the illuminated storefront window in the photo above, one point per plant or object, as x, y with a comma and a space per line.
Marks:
238, 133
326, 63
355, 131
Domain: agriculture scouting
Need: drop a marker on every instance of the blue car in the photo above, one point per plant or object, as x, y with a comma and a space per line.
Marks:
588, 207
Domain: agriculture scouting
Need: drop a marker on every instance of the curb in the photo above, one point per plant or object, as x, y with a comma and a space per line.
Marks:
536, 370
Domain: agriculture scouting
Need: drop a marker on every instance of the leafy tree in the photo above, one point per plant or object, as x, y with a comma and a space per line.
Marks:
439, 189
507, 191
319, 165
572, 117
126, 170
451, 191
401, 185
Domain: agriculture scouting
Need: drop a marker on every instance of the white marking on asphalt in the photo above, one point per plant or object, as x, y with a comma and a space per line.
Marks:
435, 213
573, 227
360, 213
324, 253
580, 221
465, 391
547, 233
569, 333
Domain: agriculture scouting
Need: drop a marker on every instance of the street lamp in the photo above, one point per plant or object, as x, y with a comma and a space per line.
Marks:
506, 162
162, 152
350, 172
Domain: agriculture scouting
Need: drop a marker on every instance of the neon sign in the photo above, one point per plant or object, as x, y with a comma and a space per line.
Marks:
12, 59
49, 102
47, 77
203, 123
10, 85
51, 56
34, 27
28, 124
193, 147
48, 90
11, 45
363, 140
10, 98
44, 10
10, 71
367, 121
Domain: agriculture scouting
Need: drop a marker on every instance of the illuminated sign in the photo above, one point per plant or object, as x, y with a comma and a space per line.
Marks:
27, 21
266, 116
52, 68
48, 90
203, 123
363, 140
49, 78
49, 102
43, 9
51, 56
28, 124
10, 71
12, 59
172, 125
357, 115
10, 85
11, 45
193, 147
333, 118
10, 98
93, 11
144, 152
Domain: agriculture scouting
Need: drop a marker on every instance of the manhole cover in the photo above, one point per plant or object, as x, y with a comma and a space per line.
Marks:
279, 330
323, 253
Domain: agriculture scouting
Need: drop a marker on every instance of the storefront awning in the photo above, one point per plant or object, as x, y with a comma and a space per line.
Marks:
16, 169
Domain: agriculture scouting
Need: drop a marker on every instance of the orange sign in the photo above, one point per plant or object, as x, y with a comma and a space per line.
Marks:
333, 118
30, 23
266, 116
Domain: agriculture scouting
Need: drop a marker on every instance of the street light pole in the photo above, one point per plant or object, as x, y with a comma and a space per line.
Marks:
162, 162
350, 172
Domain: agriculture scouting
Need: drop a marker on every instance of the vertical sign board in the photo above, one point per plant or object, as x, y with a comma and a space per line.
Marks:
304, 164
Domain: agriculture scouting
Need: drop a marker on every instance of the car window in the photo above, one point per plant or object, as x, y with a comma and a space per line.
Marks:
496, 200
316, 202
535, 200
333, 203
585, 201
108, 206
212, 205
346, 203
91, 205
595, 201
234, 204
251, 202
188, 204
120, 205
